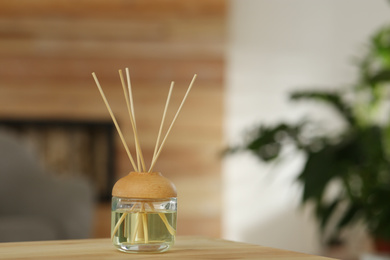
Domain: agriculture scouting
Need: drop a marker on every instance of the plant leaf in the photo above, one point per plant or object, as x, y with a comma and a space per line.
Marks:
326, 212
381, 76
330, 163
267, 141
331, 98
317, 173
349, 216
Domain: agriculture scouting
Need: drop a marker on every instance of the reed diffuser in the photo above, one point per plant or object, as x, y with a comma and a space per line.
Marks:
144, 203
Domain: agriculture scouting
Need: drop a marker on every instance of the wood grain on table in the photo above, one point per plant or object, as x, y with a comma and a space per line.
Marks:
185, 248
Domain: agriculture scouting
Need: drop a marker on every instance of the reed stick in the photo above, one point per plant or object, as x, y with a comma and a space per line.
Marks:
132, 120
122, 218
139, 153
145, 223
128, 227
162, 120
136, 227
170, 229
120, 221
164, 219
115, 122
173, 121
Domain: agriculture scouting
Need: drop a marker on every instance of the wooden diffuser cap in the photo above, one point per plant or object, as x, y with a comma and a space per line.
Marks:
144, 185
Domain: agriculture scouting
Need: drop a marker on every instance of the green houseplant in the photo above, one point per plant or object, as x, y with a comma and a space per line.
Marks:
356, 160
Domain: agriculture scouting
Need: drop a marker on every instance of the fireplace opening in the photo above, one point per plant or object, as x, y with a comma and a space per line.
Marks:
71, 148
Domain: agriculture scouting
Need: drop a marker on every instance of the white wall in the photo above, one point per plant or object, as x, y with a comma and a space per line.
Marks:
275, 47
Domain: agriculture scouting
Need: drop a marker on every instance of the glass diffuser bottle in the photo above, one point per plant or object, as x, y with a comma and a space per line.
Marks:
144, 211
144, 203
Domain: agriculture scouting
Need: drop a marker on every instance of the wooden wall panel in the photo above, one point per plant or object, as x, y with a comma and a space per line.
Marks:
48, 50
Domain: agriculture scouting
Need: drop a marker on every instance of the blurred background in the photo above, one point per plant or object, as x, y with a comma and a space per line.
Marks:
248, 55
49, 99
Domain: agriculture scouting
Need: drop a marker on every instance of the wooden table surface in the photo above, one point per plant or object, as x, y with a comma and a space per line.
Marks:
185, 248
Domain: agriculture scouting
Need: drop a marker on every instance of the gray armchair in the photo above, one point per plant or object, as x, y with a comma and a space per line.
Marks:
39, 206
